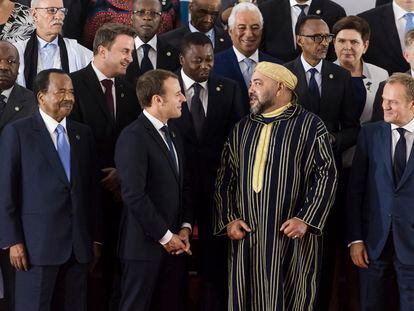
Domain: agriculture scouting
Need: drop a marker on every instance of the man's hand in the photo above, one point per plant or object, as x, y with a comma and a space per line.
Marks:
18, 257
237, 229
184, 235
174, 245
294, 228
359, 255
111, 181
96, 254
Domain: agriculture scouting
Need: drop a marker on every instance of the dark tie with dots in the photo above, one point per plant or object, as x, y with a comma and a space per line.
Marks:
197, 110
108, 96
302, 8
146, 64
400, 156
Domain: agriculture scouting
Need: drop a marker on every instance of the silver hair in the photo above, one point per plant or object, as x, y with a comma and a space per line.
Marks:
35, 3
243, 7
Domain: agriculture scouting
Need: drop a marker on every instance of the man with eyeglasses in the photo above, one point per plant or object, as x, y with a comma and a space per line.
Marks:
46, 48
204, 14
280, 18
150, 51
325, 89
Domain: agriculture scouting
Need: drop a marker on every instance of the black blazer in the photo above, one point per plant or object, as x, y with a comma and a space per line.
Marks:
167, 58
221, 40
277, 30
337, 109
384, 45
153, 192
21, 103
75, 19
382, 2
90, 108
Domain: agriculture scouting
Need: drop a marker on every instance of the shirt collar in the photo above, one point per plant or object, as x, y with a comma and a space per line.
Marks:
154, 121
188, 82
241, 57
99, 74
7, 93
152, 43
51, 123
293, 3
399, 12
306, 65
409, 127
42, 43
209, 33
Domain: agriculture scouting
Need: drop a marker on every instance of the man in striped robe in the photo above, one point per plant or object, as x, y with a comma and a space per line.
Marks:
274, 190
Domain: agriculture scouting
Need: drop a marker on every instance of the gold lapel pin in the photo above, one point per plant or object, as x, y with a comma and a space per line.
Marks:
221, 40
331, 76
77, 137
168, 53
17, 108
122, 95
318, 12
218, 89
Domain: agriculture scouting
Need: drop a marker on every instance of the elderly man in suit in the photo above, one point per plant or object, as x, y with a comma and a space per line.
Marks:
49, 202
238, 62
16, 102
280, 18
107, 103
151, 51
204, 14
389, 21
156, 221
46, 48
380, 218
213, 106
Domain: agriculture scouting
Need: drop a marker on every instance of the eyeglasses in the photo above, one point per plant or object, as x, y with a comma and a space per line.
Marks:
320, 38
54, 10
142, 13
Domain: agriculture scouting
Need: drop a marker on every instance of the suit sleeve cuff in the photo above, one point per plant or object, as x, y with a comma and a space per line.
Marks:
166, 238
355, 242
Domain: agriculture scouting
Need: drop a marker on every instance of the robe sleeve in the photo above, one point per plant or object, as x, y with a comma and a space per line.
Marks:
321, 194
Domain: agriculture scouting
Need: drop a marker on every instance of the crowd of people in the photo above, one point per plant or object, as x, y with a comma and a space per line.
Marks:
273, 135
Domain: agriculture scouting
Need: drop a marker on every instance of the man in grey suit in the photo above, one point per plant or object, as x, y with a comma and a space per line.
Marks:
15, 102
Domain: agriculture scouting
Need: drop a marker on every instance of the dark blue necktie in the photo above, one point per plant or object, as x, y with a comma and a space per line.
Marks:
400, 156
2, 103
168, 139
302, 8
146, 64
313, 88
63, 149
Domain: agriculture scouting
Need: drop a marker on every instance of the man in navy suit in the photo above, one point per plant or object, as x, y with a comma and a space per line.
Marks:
157, 216
49, 203
380, 199
238, 62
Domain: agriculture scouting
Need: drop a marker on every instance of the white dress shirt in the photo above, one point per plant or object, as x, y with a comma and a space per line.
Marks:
295, 12
408, 134
101, 77
318, 75
152, 53
189, 91
7, 93
241, 57
51, 125
400, 21
56, 57
158, 125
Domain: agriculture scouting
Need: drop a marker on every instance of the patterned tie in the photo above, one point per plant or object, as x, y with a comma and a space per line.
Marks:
109, 99
49, 51
410, 23
302, 8
400, 156
168, 139
2, 103
247, 74
146, 64
197, 110
63, 149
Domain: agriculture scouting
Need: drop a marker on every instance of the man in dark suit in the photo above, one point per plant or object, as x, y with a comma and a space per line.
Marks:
380, 206
151, 52
280, 18
238, 62
213, 106
75, 18
156, 222
204, 14
107, 103
49, 202
383, 21
325, 89
382, 2
16, 102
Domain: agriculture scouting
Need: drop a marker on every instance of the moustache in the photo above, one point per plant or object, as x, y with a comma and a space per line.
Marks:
57, 22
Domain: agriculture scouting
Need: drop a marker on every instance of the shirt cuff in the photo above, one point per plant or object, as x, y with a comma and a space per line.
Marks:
166, 238
355, 242
187, 225
96, 242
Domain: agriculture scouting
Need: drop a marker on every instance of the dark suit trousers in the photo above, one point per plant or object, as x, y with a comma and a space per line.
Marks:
56, 288
155, 285
376, 279
7, 303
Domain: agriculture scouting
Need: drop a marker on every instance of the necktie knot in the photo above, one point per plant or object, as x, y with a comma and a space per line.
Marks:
401, 131
197, 89
302, 7
146, 47
165, 130
249, 62
107, 83
60, 129
313, 71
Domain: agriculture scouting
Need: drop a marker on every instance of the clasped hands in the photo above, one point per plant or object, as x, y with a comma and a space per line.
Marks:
293, 228
179, 243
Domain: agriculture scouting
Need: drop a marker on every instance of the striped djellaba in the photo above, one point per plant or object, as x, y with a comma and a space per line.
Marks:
267, 270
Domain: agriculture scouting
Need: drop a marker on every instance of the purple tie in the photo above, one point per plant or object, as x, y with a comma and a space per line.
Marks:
108, 96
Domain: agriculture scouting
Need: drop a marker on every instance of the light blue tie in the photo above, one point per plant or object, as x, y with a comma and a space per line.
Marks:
63, 149
247, 74
48, 54
410, 23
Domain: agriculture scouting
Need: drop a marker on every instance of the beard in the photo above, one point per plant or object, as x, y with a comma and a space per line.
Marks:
261, 106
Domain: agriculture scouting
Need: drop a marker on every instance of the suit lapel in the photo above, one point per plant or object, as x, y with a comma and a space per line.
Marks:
316, 8
164, 55
186, 120
328, 84
215, 94
408, 170
74, 140
11, 110
302, 86
391, 33
286, 27
133, 68
386, 142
